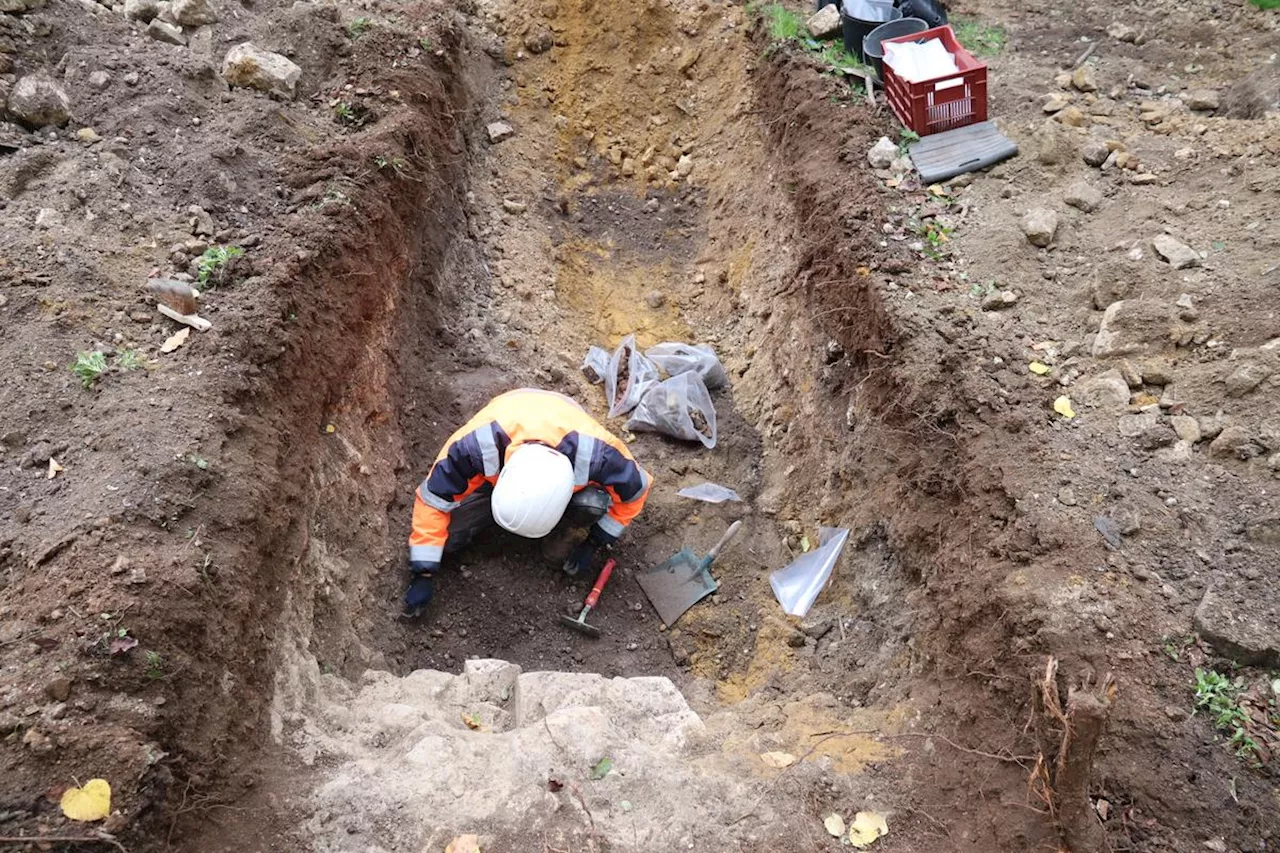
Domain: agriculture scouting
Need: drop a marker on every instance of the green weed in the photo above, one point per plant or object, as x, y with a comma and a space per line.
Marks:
210, 265
155, 665
395, 164
1219, 696
978, 38
129, 360
1266, 4
88, 366
359, 27
935, 237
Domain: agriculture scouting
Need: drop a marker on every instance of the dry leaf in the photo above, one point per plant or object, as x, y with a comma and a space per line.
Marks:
1038, 368
330, 429
834, 824
464, 844
1062, 406
54, 469
866, 828
92, 802
778, 759
473, 721
176, 340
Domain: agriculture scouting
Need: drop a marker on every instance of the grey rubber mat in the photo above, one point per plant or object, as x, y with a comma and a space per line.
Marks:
965, 149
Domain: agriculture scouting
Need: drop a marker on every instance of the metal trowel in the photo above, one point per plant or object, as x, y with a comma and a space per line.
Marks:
682, 580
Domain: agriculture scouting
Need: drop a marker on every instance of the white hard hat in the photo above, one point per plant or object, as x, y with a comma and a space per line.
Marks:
533, 490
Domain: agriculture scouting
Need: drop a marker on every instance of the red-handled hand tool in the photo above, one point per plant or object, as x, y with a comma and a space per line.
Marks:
580, 624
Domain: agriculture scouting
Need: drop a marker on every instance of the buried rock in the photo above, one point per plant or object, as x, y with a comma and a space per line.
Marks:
1040, 224
1133, 326
251, 67
1241, 619
1178, 254
37, 101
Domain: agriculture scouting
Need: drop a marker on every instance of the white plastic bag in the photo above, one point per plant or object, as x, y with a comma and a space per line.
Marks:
712, 493
628, 377
679, 407
676, 358
797, 586
917, 62
596, 365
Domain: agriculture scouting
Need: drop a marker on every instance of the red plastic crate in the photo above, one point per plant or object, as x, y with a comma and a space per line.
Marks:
943, 103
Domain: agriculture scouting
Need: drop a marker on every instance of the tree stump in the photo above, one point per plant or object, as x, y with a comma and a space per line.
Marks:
1068, 741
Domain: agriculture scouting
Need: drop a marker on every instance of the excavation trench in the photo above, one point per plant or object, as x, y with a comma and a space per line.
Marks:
666, 180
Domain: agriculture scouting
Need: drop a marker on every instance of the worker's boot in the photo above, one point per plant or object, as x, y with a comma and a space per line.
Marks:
585, 508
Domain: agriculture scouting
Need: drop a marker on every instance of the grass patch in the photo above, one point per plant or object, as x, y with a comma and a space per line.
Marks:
1266, 4
788, 28
981, 39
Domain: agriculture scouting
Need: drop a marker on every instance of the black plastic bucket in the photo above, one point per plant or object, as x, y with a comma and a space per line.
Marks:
859, 17
929, 11
872, 47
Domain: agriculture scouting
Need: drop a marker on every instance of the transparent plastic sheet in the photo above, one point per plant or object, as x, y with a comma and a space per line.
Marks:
679, 407
712, 493
595, 365
676, 358
627, 378
797, 586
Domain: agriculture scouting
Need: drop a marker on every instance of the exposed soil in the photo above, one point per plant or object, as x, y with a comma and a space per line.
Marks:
239, 506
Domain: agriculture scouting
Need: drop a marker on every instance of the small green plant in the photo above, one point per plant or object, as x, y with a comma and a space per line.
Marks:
359, 27
128, 360
935, 237
210, 266
978, 38
1175, 646
395, 164
351, 114
783, 24
344, 112
425, 44
1219, 696
88, 366
198, 461
154, 665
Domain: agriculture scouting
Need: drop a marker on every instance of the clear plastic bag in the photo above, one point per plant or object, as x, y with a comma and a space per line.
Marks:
676, 358
595, 365
679, 407
712, 493
628, 377
797, 586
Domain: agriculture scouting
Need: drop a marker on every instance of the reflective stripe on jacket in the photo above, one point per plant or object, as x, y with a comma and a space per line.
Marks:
475, 454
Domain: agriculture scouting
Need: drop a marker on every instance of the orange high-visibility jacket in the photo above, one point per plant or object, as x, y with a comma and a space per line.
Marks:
475, 454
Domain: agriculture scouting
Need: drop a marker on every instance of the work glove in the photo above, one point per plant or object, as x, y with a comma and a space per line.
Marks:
583, 554
421, 587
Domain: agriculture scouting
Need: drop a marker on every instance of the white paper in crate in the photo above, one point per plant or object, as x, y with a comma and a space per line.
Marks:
916, 63
797, 586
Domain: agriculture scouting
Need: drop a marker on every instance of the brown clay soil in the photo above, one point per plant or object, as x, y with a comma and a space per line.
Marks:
240, 504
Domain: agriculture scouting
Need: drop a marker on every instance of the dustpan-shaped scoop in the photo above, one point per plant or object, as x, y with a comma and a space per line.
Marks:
682, 580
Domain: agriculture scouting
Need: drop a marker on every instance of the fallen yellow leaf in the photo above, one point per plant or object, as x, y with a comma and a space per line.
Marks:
176, 340
54, 469
778, 759
834, 824
866, 828
1038, 368
1062, 406
473, 721
464, 844
330, 429
92, 802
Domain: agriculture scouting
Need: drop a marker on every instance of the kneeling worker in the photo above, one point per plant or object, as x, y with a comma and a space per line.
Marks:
535, 463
